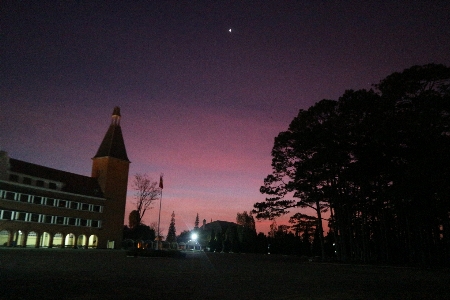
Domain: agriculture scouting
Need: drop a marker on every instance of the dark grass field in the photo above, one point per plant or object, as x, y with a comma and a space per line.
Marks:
110, 274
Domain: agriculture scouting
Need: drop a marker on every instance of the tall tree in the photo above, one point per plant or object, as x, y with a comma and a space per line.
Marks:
245, 219
172, 234
197, 221
378, 161
147, 191
303, 165
273, 228
246, 231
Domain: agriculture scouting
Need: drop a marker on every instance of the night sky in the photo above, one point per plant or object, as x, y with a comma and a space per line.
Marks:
199, 103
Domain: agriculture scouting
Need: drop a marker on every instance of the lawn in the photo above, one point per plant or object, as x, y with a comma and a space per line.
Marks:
111, 274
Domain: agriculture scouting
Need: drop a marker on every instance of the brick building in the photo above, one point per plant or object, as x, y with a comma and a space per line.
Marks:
45, 207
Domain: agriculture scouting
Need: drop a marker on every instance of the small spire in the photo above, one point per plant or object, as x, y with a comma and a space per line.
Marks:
116, 116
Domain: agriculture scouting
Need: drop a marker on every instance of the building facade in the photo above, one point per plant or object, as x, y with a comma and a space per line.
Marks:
45, 207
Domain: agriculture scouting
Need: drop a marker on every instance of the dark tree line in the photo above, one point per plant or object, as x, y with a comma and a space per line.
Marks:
378, 161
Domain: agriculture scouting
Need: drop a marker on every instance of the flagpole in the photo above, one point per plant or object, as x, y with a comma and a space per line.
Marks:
159, 216
159, 220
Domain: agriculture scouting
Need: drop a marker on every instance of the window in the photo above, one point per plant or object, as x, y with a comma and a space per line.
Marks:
97, 208
95, 223
60, 220
14, 177
52, 185
72, 221
37, 200
50, 202
83, 222
48, 219
40, 183
20, 216
34, 218
24, 198
84, 206
26, 180
62, 203
10, 195
74, 205
6, 215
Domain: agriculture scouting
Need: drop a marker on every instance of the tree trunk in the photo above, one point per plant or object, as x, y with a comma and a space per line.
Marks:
320, 228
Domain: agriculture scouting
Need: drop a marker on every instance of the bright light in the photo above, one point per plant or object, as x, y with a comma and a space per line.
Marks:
194, 236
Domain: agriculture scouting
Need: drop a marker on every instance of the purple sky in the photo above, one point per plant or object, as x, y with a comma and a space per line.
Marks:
199, 104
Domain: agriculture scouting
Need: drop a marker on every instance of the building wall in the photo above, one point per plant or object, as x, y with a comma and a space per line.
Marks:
25, 209
112, 174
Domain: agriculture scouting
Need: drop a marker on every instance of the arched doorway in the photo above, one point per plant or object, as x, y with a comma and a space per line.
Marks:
17, 238
81, 241
31, 239
44, 241
4, 236
57, 239
93, 241
70, 240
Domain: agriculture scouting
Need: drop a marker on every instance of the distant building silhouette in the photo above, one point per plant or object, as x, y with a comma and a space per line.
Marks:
45, 207
218, 226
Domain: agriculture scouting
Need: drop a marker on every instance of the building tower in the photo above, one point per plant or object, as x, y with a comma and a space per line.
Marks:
110, 166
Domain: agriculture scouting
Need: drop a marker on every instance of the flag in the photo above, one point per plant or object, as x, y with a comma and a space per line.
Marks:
161, 182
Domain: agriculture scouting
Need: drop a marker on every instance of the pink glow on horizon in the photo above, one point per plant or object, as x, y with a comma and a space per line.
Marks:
213, 166
198, 105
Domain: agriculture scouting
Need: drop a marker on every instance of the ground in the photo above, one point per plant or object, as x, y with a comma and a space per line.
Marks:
110, 274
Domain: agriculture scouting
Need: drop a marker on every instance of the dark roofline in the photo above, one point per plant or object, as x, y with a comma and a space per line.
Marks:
72, 183
223, 225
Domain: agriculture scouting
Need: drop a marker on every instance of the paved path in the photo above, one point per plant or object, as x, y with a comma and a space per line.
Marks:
110, 274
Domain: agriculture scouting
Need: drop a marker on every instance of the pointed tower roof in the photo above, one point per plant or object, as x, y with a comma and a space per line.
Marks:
113, 144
